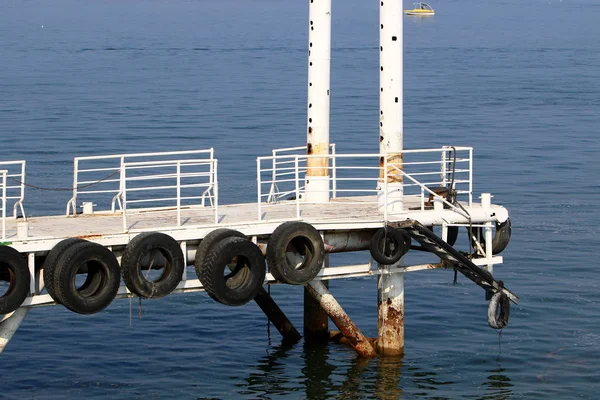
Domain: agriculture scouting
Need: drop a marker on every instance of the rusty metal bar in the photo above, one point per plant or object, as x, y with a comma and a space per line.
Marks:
390, 316
339, 317
277, 317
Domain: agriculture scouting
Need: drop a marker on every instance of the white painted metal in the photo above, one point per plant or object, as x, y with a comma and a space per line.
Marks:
3, 202
15, 185
357, 175
100, 175
391, 100
319, 67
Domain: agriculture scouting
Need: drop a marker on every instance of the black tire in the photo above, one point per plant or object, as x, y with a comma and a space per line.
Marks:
208, 242
101, 285
498, 311
244, 280
452, 235
297, 239
501, 236
388, 245
140, 254
14, 270
50, 264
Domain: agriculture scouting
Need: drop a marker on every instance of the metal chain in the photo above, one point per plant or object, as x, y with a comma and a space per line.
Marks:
64, 189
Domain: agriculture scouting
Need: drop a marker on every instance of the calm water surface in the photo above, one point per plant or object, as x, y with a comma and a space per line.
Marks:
519, 81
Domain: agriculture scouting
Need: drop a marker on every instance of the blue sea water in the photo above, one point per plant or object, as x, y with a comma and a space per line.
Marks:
519, 81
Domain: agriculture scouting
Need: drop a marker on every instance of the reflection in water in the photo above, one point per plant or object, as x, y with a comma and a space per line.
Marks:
323, 371
498, 385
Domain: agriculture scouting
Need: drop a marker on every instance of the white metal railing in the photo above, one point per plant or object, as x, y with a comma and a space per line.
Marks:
357, 176
170, 184
14, 186
281, 169
98, 178
3, 174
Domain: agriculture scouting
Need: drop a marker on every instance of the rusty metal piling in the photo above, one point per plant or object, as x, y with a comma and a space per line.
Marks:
339, 317
390, 317
277, 317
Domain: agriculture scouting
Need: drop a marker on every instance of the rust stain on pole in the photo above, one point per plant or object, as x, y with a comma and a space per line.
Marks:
317, 166
391, 321
277, 317
395, 161
339, 317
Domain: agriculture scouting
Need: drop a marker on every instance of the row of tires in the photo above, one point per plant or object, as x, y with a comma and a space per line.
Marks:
85, 276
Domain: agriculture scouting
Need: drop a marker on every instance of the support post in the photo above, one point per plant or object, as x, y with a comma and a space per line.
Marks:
390, 104
390, 318
277, 317
319, 66
9, 325
339, 317
316, 321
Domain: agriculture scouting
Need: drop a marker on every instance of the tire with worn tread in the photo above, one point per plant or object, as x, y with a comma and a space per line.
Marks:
50, 264
388, 245
101, 285
243, 280
14, 270
209, 241
144, 247
498, 310
301, 241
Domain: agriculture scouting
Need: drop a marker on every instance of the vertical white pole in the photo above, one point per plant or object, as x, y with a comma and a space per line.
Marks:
390, 98
390, 339
319, 66
216, 190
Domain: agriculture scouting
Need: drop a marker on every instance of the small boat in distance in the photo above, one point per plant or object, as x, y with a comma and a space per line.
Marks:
420, 9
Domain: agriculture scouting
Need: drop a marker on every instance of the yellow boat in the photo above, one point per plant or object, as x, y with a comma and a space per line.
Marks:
420, 9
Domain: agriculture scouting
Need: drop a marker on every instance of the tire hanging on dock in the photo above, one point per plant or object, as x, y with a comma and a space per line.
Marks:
499, 310
49, 266
501, 236
208, 242
101, 284
295, 253
388, 245
14, 270
149, 251
233, 271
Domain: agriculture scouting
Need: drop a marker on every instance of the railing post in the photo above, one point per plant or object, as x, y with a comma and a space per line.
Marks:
3, 204
297, 178
470, 177
216, 192
258, 186
443, 169
178, 193
123, 185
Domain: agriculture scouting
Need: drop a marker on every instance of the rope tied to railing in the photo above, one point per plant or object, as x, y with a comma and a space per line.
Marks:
65, 189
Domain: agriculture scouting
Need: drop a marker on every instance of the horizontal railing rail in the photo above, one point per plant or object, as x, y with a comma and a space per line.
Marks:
98, 179
168, 185
284, 169
15, 186
357, 177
